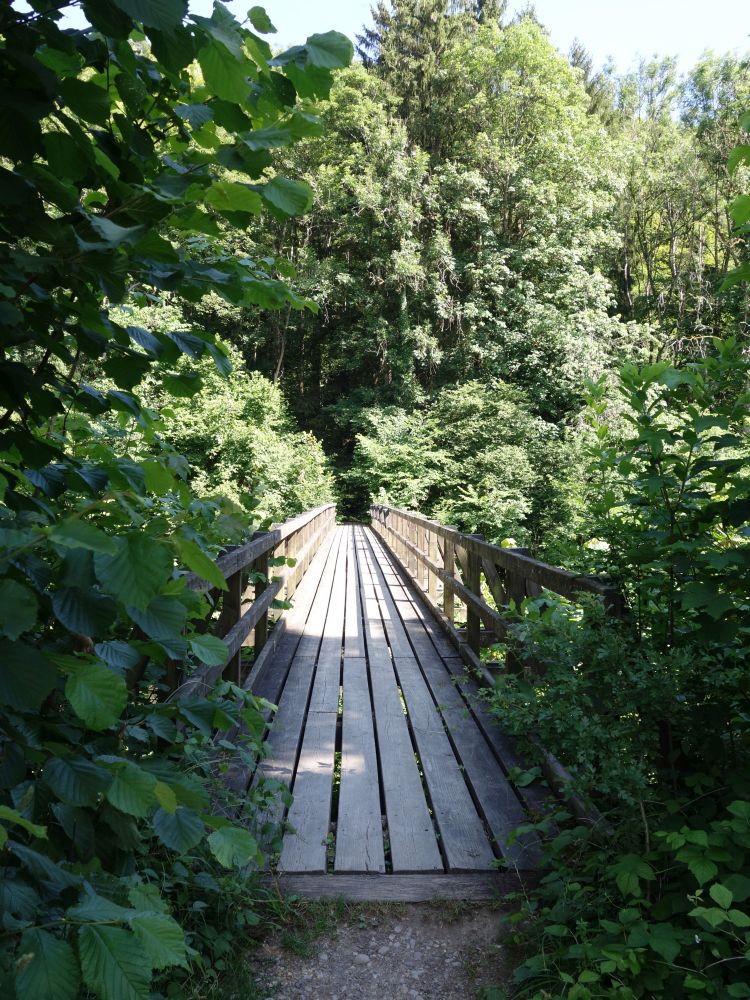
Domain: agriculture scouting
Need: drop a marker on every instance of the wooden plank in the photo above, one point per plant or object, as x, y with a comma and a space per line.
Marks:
499, 805
359, 828
354, 645
285, 735
410, 830
274, 675
462, 834
535, 797
405, 888
304, 847
267, 677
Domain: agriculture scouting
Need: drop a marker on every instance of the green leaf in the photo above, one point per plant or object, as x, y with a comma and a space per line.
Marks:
74, 533
705, 597
180, 831
162, 939
26, 676
132, 790
137, 571
113, 963
93, 908
160, 14
13, 816
111, 233
209, 649
738, 919
196, 559
49, 968
232, 846
227, 196
261, 21
166, 797
739, 886
18, 608
702, 869
76, 780
84, 612
662, 940
118, 655
740, 209
225, 76
86, 99
721, 895
740, 154
331, 50
288, 196
97, 695
164, 620
159, 479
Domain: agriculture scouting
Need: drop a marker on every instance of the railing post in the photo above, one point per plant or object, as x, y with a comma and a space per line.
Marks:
474, 583
231, 612
413, 563
449, 565
261, 629
432, 552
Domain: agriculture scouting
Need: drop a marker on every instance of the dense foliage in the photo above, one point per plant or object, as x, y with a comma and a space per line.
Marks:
650, 713
131, 151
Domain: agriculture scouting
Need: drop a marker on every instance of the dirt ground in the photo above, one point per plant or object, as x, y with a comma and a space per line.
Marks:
425, 951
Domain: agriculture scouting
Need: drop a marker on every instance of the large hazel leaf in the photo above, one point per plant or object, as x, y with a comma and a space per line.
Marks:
225, 76
137, 571
98, 695
18, 608
288, 196
162, 939
180, 831
331, 50
84, 612
209, 649
232, 846
50, 969
74, 533
26, 677
132, 790
159, 14
227, 196
113, 963
196, 559
76, 780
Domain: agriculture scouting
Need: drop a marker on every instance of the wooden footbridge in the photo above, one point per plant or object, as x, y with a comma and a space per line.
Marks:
400, 777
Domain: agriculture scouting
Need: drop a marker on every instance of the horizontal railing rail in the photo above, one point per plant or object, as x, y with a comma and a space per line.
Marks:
438, 556
253, 584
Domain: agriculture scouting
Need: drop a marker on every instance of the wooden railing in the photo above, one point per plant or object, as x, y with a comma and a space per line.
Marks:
439, 558
253, 585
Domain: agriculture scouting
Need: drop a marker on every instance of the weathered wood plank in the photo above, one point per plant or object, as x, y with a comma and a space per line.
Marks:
359, 828
304, 847
285, 735
537, 799
404, 888
410, 830
354, 644
462, 834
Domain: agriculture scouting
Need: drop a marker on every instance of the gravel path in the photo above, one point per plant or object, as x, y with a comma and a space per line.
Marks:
421, 951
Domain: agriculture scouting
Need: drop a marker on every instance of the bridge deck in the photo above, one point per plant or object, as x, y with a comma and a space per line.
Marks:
398, 773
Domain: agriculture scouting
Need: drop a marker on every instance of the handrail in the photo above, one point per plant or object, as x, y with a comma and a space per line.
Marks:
244, 607
510, 575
